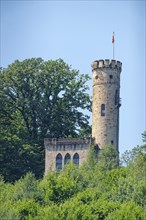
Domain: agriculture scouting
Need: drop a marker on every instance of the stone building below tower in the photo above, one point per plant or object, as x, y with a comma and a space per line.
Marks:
60, 151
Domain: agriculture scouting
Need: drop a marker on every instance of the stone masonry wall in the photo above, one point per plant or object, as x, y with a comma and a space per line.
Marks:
63, 146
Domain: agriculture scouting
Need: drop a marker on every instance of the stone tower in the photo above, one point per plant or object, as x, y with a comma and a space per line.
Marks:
106, 102
105, 120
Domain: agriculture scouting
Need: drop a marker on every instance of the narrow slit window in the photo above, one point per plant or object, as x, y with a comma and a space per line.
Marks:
103, 110
116, 98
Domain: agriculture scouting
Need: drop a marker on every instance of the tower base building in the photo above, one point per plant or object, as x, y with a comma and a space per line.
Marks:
105, 119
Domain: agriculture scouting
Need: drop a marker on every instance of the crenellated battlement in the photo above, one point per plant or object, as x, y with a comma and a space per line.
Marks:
67, 141
106, 64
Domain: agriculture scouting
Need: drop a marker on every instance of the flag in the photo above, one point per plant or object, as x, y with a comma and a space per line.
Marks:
113, 39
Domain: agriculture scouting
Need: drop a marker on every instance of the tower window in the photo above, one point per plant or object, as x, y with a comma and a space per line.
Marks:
76, 159
59, 162
103, 110
67, 158
111, 76
116, 98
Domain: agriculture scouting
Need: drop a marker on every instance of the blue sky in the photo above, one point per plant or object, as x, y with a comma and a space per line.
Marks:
80, 32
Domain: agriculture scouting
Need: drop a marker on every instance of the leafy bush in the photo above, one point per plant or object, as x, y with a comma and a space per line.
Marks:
91, 192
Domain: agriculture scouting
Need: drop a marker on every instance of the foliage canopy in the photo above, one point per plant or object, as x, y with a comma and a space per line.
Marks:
77, 193
38, 99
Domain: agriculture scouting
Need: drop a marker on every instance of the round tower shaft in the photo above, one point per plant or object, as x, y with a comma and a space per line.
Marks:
106, 102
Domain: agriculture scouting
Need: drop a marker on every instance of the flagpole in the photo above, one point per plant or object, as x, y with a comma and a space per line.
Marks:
113, 51
113, 41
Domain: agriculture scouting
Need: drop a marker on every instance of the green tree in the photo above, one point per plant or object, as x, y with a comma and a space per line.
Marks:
129, 156
127, 211
108, 158
25, 188
39, 99
57, 188
144, 136
79, 193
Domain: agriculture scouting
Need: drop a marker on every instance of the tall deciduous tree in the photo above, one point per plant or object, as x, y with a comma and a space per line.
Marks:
38, 99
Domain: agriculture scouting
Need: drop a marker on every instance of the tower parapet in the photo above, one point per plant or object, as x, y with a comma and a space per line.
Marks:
106, 64
106, 102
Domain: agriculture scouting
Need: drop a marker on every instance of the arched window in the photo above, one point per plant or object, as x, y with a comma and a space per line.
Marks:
76, 159
103, 110
67, 158
59, 162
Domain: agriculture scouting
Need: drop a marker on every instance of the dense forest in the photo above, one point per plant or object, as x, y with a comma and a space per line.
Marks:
40, 99
94, 191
